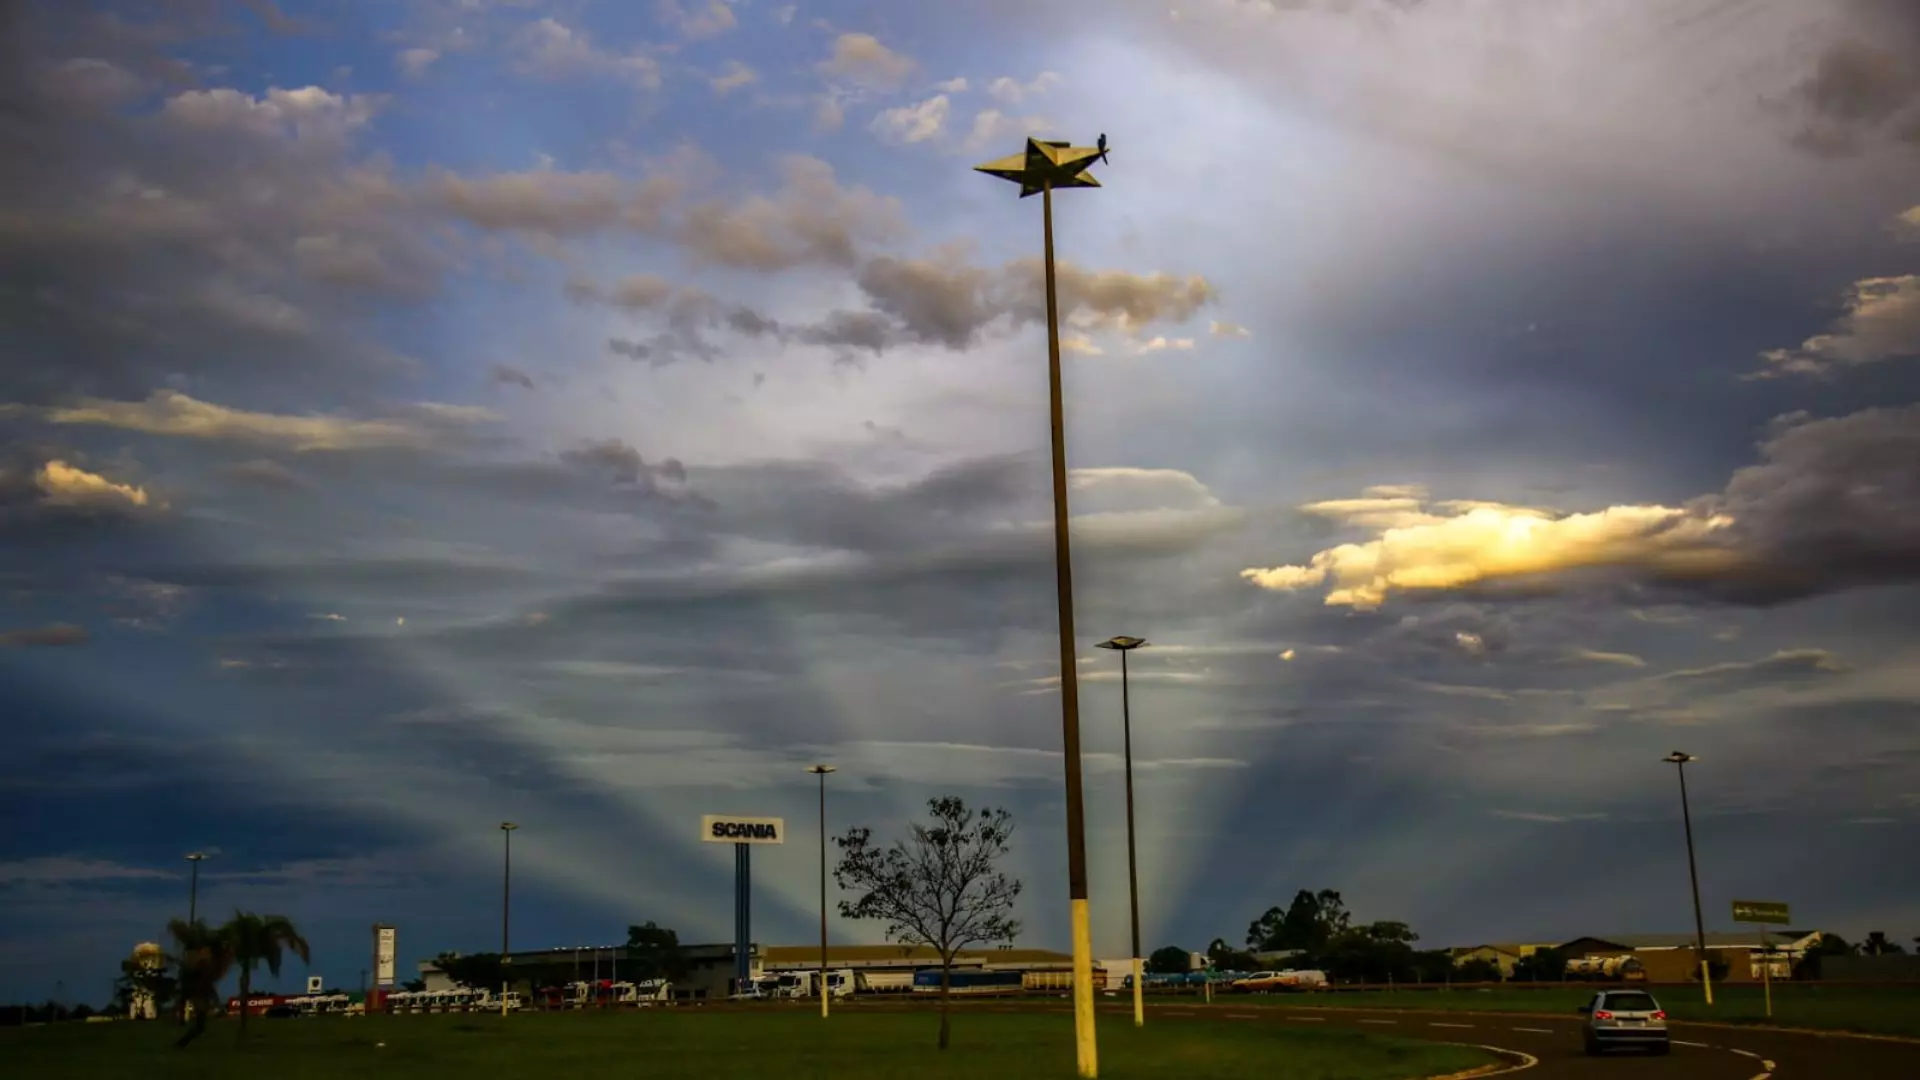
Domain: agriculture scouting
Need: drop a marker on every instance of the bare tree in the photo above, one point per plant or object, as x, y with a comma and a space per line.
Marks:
938, 888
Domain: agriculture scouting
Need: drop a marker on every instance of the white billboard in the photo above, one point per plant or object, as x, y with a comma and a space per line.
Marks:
316, 984
728, 829
383, 949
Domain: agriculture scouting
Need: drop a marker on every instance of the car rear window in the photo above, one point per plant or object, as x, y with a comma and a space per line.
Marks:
1631, 1002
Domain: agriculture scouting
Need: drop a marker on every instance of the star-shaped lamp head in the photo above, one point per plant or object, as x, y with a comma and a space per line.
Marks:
1046, 164
1122, 643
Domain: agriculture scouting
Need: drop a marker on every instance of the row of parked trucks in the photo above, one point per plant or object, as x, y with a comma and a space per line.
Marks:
783, 985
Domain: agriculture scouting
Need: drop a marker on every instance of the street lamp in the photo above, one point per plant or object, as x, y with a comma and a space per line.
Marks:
193, 886
1040, 168
1124, 645
506, 906
1679, 761
821, 771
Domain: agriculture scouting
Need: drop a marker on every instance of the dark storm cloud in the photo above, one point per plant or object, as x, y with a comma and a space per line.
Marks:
1865, 86
44, 636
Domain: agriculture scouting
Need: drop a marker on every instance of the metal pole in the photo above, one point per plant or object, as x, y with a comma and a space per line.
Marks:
823, 895
1766, 970
1085, 1045
193, 894
1133, 874
742, 917
1699, 923
506, 910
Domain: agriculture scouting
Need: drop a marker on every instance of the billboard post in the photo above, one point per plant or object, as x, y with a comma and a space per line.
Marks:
1764, 912
383, 954
742, 833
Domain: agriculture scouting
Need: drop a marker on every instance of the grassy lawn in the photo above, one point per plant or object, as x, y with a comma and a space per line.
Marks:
1893, 1010
711, 1045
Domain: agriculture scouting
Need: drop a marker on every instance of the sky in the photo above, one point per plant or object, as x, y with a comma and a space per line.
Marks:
417, 415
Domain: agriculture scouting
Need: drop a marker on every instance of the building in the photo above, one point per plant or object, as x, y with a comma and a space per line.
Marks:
709, 968
891, 967
1503, 955
1670, 958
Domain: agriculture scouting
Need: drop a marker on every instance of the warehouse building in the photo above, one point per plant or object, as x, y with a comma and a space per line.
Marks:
891, 967
1670, 958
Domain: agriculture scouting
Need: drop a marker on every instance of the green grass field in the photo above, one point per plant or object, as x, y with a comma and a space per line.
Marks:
713, 1045
1883, 1011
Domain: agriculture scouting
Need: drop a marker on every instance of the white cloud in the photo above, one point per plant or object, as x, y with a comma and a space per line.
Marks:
55, 870
1163, 344
958, 85
734, 76
1228, 330
414, 62
863, 60
1013, 91
1881, 322
1080, 344
698, 18
68, 485
1421, 550
991, 127
913, 123
550, 49
169, 412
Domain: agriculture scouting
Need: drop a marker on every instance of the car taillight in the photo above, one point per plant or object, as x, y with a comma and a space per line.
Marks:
1602, 1014
1660, 1014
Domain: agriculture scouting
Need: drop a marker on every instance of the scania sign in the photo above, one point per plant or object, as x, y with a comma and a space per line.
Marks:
726, 829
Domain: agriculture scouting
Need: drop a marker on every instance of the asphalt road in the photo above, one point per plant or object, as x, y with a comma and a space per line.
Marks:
1700, 1052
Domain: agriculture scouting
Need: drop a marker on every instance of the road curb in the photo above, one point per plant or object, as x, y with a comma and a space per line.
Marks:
1719, 1025
1516, 1061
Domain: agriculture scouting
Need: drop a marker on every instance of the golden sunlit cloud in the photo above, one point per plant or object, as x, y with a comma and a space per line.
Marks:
169, 412
1453, 545
66, 485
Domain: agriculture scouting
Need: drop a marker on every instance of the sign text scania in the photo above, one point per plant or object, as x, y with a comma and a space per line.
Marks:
727, 829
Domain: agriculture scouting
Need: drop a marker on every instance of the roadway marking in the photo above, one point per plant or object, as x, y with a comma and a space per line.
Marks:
1437, 1024
1695, 1045
1767, 1065
1763, 1076
1744, 1053
1243, 1016
1536, 1031
1379, 1021
1527, 1061
1309, 1019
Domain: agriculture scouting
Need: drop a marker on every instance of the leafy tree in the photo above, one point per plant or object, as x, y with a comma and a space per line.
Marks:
1478, 969
480, 971
140, 978
1309, 922
939, 887
1878, 945
1169, 960
201, 957
1433, 965
1543, 965
256, 940
414, 986
1225, 957
1376, 952
655, 952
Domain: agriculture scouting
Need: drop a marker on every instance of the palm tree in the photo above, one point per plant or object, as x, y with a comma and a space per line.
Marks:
201, 957
260, 939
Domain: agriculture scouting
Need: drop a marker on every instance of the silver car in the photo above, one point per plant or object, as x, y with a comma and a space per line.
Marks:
1624, 1018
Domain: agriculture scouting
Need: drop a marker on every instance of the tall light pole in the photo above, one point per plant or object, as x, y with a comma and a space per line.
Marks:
1042, 167
193, 885
821, 771
1679, 761
506, 907
1124, 645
